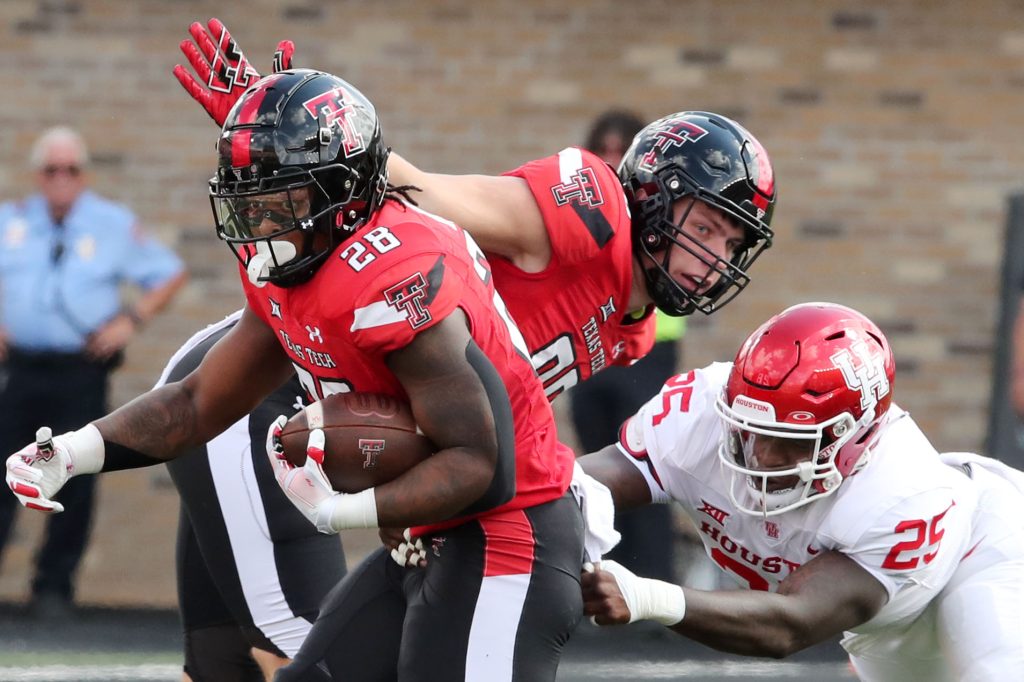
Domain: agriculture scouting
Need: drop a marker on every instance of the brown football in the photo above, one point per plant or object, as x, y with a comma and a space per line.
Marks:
370, 439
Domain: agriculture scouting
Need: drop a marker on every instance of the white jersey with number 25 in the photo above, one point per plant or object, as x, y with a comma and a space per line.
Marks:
907, 518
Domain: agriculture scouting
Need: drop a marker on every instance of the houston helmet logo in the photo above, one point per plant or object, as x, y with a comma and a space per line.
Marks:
336, 105
866, 376
674, 133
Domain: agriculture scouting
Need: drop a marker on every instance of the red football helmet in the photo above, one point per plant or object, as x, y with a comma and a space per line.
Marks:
815, 384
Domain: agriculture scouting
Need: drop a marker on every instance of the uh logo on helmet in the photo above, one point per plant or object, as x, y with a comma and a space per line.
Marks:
818, 376
302, 149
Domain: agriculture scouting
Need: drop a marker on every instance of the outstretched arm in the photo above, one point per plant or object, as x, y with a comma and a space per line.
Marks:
499, 211
238, 372
821, 599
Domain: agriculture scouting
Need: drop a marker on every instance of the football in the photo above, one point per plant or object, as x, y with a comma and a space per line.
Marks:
370, 439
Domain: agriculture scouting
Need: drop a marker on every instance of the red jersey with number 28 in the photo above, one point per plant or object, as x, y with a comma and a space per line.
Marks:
572, 313
397, 276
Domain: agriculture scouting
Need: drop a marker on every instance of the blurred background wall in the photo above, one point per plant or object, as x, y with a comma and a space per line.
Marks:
895, 130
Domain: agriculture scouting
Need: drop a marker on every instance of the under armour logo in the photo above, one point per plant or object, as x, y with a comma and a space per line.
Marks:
314, 334
437, 544
608, 309
306, 224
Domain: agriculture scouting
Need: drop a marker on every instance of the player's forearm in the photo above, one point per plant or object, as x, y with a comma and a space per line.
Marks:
159, 424
439, 488
746, 623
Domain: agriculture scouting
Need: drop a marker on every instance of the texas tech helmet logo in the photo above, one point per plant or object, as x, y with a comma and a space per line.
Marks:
671, 133
339, 111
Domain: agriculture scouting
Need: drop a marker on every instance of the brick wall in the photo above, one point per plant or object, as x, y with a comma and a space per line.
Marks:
894, 128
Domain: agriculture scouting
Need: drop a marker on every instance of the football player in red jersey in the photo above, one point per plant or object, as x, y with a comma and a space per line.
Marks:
677, 228
353, 290
557, 230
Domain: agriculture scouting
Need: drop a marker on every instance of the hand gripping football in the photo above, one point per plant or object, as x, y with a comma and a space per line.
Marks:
370, 439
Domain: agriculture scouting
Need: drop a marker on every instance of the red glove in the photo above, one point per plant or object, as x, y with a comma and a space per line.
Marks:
222, 69
283, 56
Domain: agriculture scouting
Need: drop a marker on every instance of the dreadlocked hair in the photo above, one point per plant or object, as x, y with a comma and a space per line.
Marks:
401, 192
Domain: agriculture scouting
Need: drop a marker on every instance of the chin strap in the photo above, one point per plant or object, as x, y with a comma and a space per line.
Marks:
268, 254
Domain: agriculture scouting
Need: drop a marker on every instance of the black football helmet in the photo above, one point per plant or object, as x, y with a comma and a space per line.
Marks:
301, 149
706, 157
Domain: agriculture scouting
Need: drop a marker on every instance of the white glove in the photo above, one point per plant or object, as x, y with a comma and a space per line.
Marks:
409, 552
36, 472
647, 599
309, 490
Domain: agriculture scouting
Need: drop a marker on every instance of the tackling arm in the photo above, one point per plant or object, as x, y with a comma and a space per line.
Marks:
819, 600
499, 211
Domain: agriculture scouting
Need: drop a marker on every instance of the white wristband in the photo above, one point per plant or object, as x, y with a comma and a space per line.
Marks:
664, 602
358, 510
86, 449
648, 599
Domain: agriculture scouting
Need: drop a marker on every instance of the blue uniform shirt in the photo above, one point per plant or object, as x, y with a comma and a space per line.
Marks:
59, 284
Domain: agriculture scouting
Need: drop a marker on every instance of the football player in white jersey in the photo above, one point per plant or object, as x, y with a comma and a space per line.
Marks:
816, 492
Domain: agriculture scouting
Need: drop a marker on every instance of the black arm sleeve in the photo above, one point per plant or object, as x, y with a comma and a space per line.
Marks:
503, 485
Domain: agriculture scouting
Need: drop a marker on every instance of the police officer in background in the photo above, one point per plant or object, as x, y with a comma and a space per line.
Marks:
64, 254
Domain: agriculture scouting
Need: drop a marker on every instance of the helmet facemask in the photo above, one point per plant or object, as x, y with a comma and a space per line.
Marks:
257, 220
811, 472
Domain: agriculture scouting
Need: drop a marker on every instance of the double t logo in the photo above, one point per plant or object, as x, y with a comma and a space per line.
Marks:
339, 111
